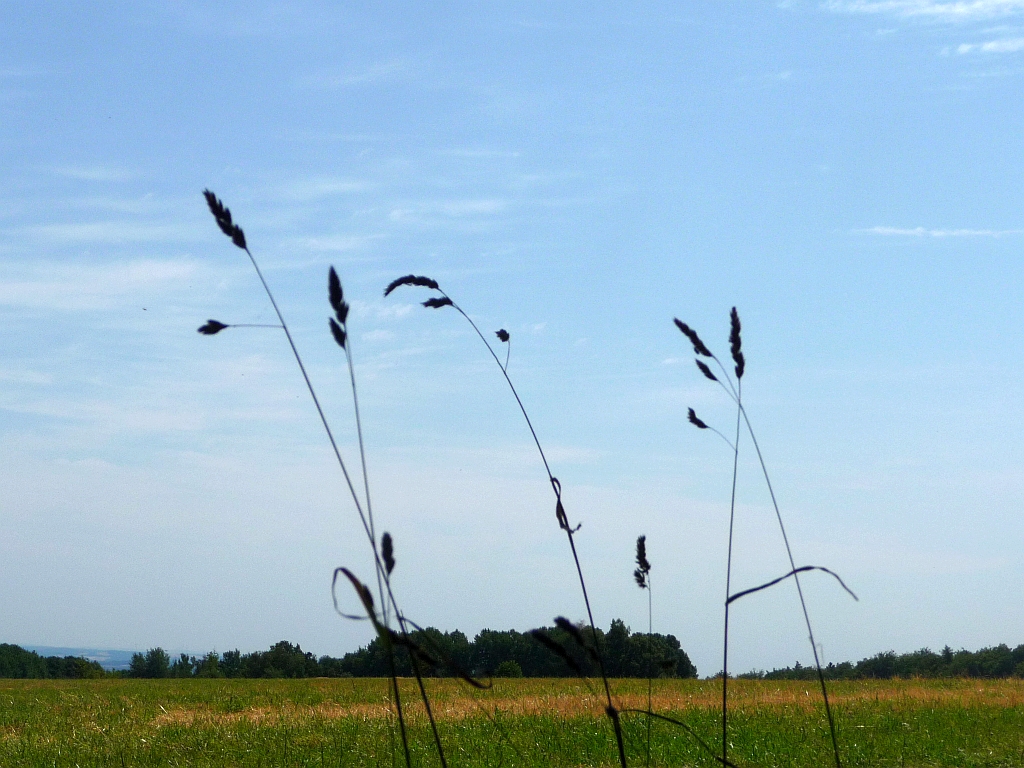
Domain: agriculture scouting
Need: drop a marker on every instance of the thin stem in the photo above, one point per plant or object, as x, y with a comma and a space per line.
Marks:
398, 702
366, 480
367, 524
423, 694
727, 441
610, 710
254, 325
728, 579
511, 386
316, 401
650, 683
799, 590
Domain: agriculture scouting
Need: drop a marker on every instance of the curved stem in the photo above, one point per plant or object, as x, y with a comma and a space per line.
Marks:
610, 710
650, 639
728, 579
312, 394
366, 482
799, 590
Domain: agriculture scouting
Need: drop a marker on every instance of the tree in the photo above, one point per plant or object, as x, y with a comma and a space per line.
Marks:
508, 668
155, 663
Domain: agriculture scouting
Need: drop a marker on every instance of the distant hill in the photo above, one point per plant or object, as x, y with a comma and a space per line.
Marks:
108, 659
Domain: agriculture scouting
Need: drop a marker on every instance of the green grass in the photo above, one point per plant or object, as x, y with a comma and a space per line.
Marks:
531, 723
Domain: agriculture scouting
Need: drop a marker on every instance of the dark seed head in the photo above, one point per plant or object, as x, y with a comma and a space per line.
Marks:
222, 215
641, 554
444, 301
695, 421
735, 343
334, 292
338, 333
698, 345
705, 370
387, 552
423, 282
641, 578
336, 296
211, 327
502, 335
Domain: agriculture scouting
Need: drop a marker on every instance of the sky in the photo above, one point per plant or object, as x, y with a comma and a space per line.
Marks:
846, 174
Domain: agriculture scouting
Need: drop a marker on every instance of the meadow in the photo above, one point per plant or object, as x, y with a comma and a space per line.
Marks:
523, 722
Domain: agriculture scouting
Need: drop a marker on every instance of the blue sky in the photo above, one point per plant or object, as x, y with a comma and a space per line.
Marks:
846, 173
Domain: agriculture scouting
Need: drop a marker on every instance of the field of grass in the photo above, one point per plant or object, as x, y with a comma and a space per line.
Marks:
517, 723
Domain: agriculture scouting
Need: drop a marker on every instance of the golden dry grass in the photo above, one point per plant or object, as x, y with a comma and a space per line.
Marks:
569, 699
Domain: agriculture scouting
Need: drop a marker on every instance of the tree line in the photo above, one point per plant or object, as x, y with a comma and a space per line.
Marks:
506, 654
16, 662
998, 661
442, 654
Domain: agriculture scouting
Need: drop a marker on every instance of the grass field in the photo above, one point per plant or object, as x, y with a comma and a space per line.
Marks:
518, 723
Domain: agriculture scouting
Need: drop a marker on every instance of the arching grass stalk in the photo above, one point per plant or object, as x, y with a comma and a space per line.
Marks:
734, 391
222, 215
444, 300
642, 575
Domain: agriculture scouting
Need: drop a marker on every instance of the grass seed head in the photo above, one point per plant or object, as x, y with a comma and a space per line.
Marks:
705, 370
338, 333
735, 343
420, 280
502, 335
336, 297
696, 421
211, 327
698, 345
444, 301
643, 566
222, 215
387, 551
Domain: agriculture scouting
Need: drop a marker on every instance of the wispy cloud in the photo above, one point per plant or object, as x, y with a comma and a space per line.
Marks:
448, 208
959, 10
335, 243
95, 173
1009, 45
304, 190
71, 287
111, 232
375, 73
922, 232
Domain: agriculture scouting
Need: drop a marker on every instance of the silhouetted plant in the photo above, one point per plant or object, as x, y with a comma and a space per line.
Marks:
444, 300
384, 559
642, 575
735, 392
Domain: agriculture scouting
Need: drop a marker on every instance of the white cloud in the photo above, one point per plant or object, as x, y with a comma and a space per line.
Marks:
922, 232
1009, 45
113, 232
959, 10
303, 190
448, 208
74, 287
335, 243
375, 73
95, 173
24, 377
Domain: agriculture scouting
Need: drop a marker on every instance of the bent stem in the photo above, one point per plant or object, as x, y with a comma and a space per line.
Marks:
735, 393
728, 580
610, 709
800, 592
223, 217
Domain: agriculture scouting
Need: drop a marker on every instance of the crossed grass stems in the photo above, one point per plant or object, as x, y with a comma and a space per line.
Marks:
422, 657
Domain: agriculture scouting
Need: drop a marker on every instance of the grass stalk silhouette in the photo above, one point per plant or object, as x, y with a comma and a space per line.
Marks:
383, 560
444, 300
735, 392
642, 576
